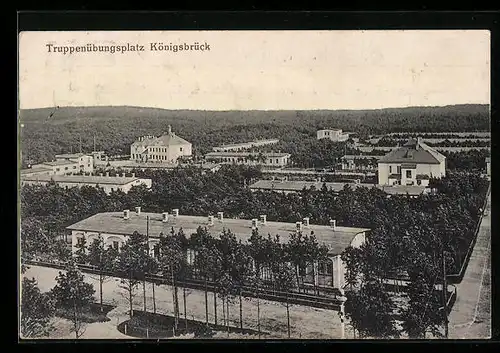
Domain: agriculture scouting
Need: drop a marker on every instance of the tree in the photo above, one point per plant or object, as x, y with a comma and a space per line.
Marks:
204, 260
73, 295
173, 262
103, 259
129, 264
371, 310
37, 309
80, 255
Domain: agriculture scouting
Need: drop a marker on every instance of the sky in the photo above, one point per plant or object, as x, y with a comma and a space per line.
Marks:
262, 70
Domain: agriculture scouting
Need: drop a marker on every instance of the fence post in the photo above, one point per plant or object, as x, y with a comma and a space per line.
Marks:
125, 328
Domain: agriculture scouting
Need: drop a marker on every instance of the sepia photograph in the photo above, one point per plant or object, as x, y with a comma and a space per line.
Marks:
260, 185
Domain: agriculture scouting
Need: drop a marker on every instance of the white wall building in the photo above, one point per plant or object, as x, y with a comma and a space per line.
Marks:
271, 159
333, 134
107, 183
167, 148
412, 164
116, 227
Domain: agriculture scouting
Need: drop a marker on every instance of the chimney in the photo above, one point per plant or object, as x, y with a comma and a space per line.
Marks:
220, 216
164, 217
298, 226
126, 214
254, 223
138, 211
263, 219
305, 221
100, 174
333, 224
210, 220
107, 174
175, 211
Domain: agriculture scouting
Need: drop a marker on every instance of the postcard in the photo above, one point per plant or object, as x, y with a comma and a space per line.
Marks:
272, 185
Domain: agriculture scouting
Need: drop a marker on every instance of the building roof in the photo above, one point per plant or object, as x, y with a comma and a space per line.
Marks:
361, 156
35, 170
414, 151
412, 190
58, 162
73, 155
168, 138
336, 187
113, 222
244, 154
328, 129
83, 179
298, 185
247, 143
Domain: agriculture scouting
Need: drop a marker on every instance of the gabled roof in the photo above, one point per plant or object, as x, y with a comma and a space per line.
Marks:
113, 223
414, 151
167, 139
83, 179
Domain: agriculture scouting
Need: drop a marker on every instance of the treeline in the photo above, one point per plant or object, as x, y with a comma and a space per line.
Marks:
115, 128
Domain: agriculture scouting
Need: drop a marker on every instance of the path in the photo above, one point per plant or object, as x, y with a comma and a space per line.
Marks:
470, 317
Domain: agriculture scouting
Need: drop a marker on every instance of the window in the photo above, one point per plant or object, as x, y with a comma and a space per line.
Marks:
88, 165
180, 149
399, 169
57, 169
74, 167
116, 245
277, 161
408, 174
80, 241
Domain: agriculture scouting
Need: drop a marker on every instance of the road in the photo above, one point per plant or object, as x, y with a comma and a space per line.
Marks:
470, 317
306, 322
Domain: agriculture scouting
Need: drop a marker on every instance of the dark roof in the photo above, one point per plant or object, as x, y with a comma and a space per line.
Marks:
413, 151
361, 156
167, 139
299, 185
58, 162
113, 223
82, 179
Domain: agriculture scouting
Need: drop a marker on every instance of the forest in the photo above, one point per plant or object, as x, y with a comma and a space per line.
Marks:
48, 132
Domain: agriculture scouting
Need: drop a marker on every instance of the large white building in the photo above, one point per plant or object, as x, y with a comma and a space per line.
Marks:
107, 183
332, 134
412, 164
167, 148
116, 227
271, 159
244, 145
